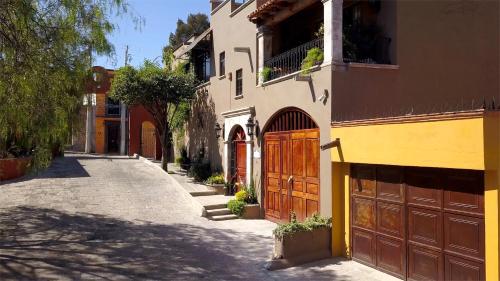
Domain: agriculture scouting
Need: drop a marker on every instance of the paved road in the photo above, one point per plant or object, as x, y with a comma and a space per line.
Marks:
114, 218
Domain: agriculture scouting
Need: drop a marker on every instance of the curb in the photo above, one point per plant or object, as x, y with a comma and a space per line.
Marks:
194, 203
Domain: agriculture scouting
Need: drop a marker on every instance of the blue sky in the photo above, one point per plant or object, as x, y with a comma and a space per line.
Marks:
160, 18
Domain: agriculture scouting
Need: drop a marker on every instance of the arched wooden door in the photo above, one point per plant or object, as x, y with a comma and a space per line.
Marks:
291, 166
238, 156
148, 140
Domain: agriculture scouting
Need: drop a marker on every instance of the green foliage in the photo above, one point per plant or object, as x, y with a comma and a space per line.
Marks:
265, 74
200, 171
237, 207
314, 57
250, 195
216, 179
294, 226
165, 95
241, 195
45, 57
194, 25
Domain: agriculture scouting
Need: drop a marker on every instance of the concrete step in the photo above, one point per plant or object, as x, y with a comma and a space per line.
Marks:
203, 193
223, 217
218, 212
215, 206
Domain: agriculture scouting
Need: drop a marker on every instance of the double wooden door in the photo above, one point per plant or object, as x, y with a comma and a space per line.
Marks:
291, 174
418, 223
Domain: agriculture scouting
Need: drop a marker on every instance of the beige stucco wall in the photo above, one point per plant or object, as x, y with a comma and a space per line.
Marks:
230, 31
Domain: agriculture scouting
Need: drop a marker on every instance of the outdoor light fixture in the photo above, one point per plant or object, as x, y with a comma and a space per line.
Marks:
250, 125
218, 129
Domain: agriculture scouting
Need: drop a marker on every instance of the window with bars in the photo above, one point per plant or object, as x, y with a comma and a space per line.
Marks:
239, 82
222, 64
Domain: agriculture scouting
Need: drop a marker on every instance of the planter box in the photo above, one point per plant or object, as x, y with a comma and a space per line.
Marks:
218, 187
252, 212
12, 168
300, 248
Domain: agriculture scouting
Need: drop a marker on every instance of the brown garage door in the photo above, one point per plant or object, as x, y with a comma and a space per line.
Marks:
418, 223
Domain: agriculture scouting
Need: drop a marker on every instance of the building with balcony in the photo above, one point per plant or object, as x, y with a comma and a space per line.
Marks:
382, 114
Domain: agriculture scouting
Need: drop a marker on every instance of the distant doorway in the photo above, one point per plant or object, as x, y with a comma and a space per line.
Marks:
238, 157
148, 140
112, 137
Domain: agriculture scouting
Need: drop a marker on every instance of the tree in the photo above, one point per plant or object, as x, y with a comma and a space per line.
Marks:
163, 94
46, 48
194, 25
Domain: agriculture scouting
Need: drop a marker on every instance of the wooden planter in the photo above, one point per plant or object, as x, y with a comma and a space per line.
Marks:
252, 212
218, 187
300, 248
13, 168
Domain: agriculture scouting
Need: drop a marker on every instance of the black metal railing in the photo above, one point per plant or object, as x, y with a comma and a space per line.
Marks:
113, 109
291, 60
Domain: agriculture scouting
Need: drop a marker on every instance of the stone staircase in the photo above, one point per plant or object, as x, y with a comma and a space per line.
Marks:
218, 212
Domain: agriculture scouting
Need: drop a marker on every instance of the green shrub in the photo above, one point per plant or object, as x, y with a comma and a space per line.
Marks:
251, 195
200, 171
216, 179
241, 195
294, 226
265, 74
237, 207
314, 57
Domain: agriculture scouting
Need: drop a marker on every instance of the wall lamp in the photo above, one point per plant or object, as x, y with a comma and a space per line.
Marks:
218, 130
250, 125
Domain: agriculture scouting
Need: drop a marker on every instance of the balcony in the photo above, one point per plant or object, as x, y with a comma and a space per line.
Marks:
290, 61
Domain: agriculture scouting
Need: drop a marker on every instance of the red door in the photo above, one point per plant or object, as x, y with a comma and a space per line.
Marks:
241, 161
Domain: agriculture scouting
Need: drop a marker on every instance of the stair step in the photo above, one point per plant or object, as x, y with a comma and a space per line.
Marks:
218, 212
223, 217
203, 193
215, 206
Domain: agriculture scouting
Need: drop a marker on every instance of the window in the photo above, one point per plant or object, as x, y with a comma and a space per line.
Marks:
112, 107
222, 64
239, 82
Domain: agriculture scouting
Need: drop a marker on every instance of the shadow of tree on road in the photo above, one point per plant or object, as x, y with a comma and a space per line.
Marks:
37, 243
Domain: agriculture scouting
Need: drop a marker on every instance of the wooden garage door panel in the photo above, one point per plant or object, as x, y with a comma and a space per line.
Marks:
363, 181
391, 255
312, 207
390, 219
298, 207
424, 264
363, 213
312, 188
464, 235
423, 188
461, 269
463, 191
390, 184
363, 246
425, 227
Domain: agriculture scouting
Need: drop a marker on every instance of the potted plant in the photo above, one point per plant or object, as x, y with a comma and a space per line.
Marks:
265, 74
14, 163
314, 57
301, 242
245, 204
217, 182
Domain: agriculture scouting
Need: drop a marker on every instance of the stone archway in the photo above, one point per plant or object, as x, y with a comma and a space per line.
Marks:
291, 165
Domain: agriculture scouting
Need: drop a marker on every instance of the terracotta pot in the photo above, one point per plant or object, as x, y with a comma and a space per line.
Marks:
301, 247
12, 168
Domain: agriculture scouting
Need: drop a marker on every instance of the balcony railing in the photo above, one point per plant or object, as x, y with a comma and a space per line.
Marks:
291, 60
113, 109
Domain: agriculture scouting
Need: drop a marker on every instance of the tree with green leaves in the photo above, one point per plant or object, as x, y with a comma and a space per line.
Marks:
194, 25
163, 93
46, 49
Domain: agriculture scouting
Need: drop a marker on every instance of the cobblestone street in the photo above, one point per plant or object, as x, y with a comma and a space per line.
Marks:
115, 218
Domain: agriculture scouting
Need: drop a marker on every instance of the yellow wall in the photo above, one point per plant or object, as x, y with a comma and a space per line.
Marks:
340, 211
441, 144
